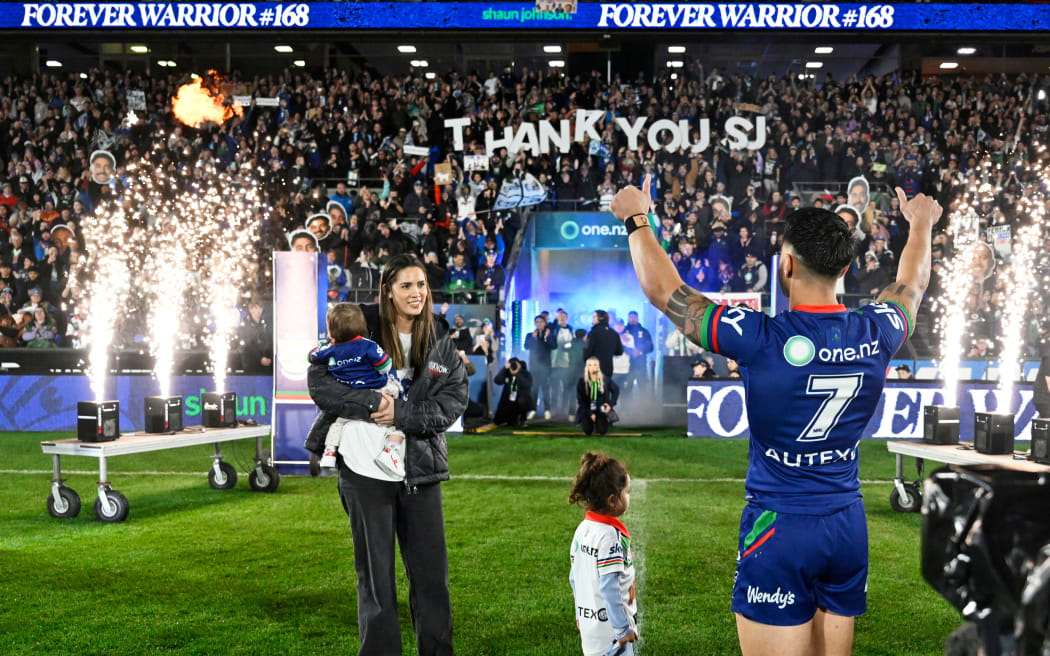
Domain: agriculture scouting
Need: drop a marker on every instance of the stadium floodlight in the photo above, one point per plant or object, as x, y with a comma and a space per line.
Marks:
556, 63
53, 63
299, 62
675, 50
83, 76
814, 64
430, 75
1041, 95
949, 65
283, 49
406, 49
966, 50
139, 49
675, 63
823, 50
553, 50
674, 76
419, 63
194, 76
171, 64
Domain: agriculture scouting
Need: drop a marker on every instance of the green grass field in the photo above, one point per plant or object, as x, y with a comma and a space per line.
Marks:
200, 571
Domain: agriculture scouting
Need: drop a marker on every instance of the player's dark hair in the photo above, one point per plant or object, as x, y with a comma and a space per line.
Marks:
345, 322
603, 316
599, 478
821, 239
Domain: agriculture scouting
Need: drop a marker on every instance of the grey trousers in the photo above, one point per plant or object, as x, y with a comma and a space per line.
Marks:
381, 511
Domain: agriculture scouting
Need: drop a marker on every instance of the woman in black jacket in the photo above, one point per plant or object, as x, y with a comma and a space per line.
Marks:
380, 509
596, 394
515, 399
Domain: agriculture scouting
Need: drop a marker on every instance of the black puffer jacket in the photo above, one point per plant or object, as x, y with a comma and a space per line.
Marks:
437, 397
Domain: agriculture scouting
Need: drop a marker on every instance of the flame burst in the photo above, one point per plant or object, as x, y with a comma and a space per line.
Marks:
202, 101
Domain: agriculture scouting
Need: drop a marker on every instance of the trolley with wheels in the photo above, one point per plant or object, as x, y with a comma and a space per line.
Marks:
906, 496
112, 506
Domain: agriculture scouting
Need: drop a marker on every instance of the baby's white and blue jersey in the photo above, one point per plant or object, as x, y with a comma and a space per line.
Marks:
359, 362
812, 378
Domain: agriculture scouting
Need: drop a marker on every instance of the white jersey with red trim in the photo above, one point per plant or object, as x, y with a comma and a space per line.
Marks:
601, 546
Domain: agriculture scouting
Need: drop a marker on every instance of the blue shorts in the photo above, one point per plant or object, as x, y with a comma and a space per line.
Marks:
790, 565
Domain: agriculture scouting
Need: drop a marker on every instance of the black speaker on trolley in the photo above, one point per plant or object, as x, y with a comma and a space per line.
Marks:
163, 414
993, 433
940, 424
98, 421
1040, 451
219, 409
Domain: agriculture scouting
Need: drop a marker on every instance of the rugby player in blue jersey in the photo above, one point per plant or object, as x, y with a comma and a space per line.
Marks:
813, 377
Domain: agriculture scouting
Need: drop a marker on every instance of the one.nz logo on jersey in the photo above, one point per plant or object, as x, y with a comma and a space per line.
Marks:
799, 351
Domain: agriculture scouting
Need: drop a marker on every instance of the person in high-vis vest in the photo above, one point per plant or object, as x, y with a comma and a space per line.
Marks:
602, 571
596, 395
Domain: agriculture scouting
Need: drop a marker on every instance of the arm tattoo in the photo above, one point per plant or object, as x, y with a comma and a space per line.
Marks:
686, 309
904, 290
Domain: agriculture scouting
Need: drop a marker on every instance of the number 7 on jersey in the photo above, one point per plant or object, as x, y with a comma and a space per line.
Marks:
839, 392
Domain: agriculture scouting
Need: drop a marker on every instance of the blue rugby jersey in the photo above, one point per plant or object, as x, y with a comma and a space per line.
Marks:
359, 362
813, 377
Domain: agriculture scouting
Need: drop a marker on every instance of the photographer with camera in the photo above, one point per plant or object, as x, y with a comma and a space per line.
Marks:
516, 398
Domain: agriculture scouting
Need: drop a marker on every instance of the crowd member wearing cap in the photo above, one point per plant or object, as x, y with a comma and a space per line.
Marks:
873, 278
418, 203
903, 372
40, 331
13, 282
490, 277
753, 275
7, 299
702, 368
718, 252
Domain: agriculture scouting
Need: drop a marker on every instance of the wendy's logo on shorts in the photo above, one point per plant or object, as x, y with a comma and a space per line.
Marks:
437, 368
781, 599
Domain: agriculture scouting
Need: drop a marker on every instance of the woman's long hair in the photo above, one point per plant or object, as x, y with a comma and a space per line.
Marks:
422, 327
599, 377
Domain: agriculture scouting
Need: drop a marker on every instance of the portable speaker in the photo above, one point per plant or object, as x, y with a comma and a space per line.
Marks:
941, 424
163, 414
1040, 441
220, 409
993, 433
98, 421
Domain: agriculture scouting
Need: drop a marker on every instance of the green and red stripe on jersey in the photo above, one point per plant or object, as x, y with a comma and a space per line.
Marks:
909, 325
759, 533
709, 327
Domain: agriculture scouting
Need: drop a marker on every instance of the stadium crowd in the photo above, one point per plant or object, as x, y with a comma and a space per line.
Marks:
336, 144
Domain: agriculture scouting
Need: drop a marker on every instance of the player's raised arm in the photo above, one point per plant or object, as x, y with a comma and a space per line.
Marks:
913, 271
660, 281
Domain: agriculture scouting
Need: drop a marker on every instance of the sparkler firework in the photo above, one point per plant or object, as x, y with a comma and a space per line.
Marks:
959, 283
1019, 289
187, 249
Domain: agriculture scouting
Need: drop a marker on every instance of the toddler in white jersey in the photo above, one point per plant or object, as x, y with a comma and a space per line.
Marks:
602, 570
